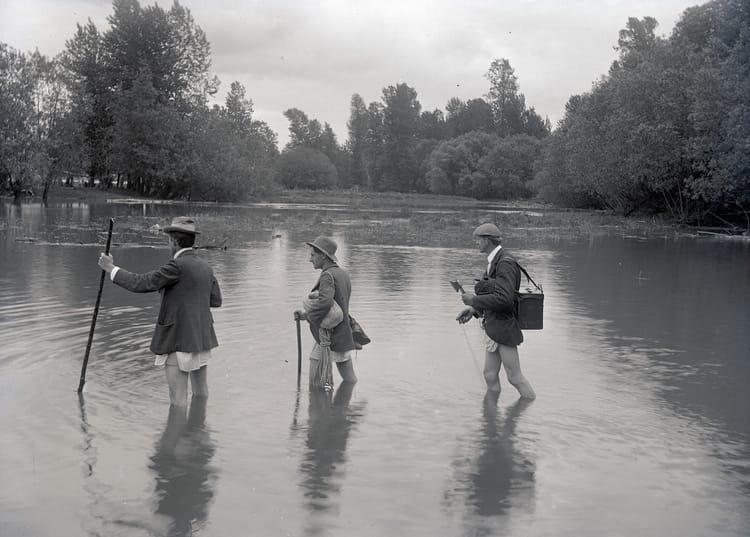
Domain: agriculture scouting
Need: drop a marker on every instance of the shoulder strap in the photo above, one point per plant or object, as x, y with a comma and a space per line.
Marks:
529, 277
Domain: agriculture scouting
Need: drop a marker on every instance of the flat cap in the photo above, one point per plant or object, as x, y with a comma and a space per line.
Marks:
487, 230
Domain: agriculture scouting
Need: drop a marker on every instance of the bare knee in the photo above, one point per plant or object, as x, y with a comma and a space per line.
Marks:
346, 370
522, 385
491, 377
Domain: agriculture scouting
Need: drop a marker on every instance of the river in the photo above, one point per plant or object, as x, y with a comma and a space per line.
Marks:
642, 370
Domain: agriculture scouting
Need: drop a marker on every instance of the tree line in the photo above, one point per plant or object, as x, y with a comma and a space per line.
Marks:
666, 130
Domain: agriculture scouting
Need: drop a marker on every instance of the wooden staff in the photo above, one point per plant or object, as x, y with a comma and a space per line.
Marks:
96, 312
299, 349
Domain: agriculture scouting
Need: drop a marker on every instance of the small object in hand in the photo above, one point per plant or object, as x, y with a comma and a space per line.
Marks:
457, 287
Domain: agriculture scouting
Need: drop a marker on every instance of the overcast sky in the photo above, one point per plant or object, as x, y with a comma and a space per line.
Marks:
313, 55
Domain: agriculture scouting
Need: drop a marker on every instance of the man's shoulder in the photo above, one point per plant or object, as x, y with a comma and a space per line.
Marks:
190, 260
335, 268
189, 256
337, 272
505, 261
505, 255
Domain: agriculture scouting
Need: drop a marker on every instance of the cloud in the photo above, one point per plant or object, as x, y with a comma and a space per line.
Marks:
315, 55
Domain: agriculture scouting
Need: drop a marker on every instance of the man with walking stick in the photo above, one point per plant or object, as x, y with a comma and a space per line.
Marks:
494, 299
184, 333
332, 292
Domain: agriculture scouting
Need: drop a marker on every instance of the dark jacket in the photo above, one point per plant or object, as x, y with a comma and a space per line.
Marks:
188, 291
334, 284
496, 299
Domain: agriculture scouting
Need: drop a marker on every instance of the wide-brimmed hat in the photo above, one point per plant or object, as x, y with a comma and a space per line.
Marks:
183, 224
487, 230
325, 245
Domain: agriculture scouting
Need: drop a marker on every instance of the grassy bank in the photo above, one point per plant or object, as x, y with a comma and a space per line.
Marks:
392, 218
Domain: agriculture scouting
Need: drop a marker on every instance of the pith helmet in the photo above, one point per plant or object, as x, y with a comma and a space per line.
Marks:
487, 230
325, 245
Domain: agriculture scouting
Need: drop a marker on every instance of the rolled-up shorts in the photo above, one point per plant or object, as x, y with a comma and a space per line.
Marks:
186, 361
490, 345
336, 356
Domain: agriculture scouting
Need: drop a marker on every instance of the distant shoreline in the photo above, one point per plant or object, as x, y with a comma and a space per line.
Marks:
529, 214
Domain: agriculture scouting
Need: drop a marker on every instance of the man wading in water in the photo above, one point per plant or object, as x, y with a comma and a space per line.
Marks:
494, 299
184, 333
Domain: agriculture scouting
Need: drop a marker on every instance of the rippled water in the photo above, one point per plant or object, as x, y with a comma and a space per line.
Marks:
640, 427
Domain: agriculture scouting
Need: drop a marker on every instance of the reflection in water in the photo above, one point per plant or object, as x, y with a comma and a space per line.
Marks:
91, 484
184, 478
496, 476
331, 419
88, 450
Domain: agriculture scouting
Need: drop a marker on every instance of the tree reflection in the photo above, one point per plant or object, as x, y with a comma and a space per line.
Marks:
184, 479
330, 421
495, 476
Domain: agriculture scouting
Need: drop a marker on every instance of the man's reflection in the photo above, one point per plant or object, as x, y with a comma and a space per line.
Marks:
499, 476
331, 419
184, 479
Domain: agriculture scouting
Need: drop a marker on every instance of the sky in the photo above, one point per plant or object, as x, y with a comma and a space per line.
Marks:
314, 55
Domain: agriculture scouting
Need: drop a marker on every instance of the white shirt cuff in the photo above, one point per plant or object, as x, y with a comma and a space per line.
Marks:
112, 274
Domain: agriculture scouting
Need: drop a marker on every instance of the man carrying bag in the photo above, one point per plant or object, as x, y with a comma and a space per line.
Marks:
494, 299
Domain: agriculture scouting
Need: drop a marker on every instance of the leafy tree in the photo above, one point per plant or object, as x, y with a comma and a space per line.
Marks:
238, 109
306, 132
375, 144
534, 124
509, 168
636, 42
84, 60
401, 114
506, 103
304, 167
148, 141
454, 166
431, 125
474, 115
33, 118
482, 165
666, 130
357, 142
422, 153
170, 44
16, 111
299, 129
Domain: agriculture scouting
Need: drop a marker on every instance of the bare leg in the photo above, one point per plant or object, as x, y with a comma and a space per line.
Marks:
492, 365
176, 423
311, 369
512, 365
178, 382
346, 369
343, 394
199, 382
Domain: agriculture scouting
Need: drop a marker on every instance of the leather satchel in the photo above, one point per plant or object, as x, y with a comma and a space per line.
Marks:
358, 334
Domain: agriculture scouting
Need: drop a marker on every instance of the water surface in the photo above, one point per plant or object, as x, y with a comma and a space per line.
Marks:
641, 371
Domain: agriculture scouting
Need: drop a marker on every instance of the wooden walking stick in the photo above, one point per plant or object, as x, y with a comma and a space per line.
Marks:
96, 312
299, 349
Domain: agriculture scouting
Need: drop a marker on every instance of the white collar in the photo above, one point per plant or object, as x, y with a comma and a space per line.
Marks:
492, 255
178, 253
